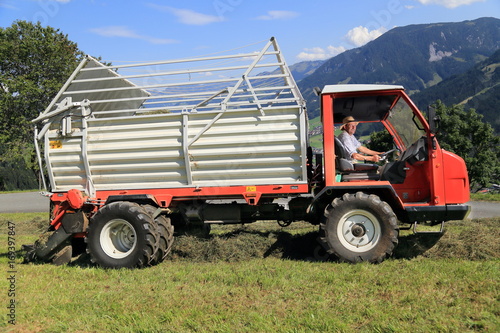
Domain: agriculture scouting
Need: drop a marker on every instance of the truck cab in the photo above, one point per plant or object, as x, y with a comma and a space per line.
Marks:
419, 181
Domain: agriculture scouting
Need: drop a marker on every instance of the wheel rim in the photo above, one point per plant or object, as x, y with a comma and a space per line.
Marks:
118, 238
359, 231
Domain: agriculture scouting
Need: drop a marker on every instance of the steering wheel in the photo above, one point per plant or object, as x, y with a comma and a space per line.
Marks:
383, 156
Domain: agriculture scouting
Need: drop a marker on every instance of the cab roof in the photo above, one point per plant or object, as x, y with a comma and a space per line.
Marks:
341, 88
365, 102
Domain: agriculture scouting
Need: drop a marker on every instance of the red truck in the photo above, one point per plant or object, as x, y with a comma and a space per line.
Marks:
133, 151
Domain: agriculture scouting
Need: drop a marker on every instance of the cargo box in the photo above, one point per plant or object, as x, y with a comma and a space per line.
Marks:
217, 121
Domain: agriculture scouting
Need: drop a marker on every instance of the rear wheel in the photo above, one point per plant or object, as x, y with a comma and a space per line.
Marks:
122, 234
359, 227
165, 232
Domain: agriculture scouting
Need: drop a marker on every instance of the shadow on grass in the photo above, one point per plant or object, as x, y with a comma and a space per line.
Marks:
476, 240
246, 244
241, 245
415, 245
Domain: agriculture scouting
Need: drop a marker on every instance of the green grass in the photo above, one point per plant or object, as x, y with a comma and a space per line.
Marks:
485, 196
316, 141
19, 191
263, 278
315, 122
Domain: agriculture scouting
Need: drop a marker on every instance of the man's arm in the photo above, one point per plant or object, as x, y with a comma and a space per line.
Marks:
367, 151
373, 156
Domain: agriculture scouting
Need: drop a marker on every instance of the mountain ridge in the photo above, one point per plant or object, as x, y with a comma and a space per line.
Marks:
416, 56
477, 88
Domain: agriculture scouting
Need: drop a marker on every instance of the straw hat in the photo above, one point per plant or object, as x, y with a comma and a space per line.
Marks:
346, 120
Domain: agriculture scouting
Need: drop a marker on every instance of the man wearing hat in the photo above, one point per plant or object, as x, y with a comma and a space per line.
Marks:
353, 146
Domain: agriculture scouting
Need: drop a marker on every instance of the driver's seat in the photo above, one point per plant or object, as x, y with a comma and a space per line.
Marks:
352, 171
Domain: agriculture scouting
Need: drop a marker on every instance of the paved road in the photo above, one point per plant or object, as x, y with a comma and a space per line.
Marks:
27, 202
35, 202
482, 209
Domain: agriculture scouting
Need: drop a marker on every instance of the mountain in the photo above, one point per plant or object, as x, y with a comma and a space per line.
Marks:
299, 70
477, 88
415, 56
303, 69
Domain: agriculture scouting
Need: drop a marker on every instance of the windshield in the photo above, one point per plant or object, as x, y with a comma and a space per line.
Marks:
408, 126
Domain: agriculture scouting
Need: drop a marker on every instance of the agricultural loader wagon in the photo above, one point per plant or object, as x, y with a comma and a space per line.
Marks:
132, 152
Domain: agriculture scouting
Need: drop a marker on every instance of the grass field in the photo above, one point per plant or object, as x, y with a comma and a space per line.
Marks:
485, 197
262, 278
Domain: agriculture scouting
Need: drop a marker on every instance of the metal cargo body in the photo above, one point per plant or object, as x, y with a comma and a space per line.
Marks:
218, 121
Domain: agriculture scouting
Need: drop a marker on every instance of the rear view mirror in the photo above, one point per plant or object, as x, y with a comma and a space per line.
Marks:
433, 119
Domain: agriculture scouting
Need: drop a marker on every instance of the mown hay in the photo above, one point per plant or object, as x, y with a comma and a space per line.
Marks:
237, 243
468, 240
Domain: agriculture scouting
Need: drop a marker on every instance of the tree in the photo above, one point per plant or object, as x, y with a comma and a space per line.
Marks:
465, 134
380, 141
35, 62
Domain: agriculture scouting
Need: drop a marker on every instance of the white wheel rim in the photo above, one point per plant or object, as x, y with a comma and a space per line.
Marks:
359, 231
118, 238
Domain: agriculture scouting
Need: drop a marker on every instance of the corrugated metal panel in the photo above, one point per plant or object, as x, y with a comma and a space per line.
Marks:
86, 86
66, 163
136, 152
241, 148
245, 148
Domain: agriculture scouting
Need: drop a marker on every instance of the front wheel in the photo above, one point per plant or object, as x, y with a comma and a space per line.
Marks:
359, 227
122, 234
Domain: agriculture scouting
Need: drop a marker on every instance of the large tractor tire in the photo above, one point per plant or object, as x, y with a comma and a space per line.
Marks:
165, 234
122, 234
359, 227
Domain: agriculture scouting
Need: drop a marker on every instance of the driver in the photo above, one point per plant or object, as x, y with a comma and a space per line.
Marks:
353, 146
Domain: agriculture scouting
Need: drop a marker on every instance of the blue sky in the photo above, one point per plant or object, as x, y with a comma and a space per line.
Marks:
123, 30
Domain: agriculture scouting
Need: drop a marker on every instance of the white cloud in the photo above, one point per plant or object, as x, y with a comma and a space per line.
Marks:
449, 3
122, 31
188, 16
359, 36
318, 53
278, 15
7, 6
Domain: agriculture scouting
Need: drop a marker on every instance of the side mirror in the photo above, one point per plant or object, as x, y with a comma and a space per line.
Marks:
433, 119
